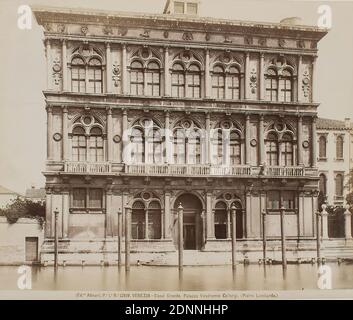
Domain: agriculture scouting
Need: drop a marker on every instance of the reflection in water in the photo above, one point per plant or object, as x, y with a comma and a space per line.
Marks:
248, 277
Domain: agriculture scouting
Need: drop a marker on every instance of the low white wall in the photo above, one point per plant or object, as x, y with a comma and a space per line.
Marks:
13, 239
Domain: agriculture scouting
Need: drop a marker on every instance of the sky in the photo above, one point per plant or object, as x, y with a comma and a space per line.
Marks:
22, 72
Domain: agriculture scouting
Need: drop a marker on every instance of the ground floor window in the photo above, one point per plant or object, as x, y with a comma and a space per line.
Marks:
87, 200
278, 199
223, 222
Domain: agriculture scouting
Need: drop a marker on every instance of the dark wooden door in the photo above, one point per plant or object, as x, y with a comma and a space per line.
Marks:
189, 237
31, 249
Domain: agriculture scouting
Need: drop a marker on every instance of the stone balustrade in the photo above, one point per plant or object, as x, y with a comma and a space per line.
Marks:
88, 167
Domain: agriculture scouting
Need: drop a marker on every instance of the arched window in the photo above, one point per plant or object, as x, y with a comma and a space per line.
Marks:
271, 85
287, 150
323, 184
272, 149
136, 78
194, 147
96, 145
79, 144
179, 146
339, 185
322, 147
156, 143
235, 148
220, 220
95, 76
285, 86
78, 75
218, 83
218, 145
339, 147
154, 215
193, 82
138, 146
178, 81
233, 83
153, 79
138, 220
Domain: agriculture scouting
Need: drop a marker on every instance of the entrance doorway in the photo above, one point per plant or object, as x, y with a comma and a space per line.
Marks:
193, 225
31, 249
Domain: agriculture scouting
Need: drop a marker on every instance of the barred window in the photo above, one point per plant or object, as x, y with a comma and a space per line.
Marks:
138, 145
153, 79
272, 149
178, 81
193, 82
233, 81
87, 198
79, 144
271, 85
96, 145
287, 150
339, 147
235, 148
285, 86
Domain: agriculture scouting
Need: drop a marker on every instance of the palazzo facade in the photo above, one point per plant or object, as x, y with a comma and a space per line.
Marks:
151, 111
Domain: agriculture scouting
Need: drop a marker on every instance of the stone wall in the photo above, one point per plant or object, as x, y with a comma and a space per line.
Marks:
13, 239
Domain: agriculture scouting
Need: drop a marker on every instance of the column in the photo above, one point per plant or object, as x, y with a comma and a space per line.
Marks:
125, 201
313, 143
167, 84
348, 223
49, 133
209, 217
324, 222
124, 69
207, 75
65, 215
125, 137
300, 141
313, 80
261, 141
208, 139
168, 139
109, 134
262, 77
146, 224
48, 213
49, 63
300, 79
167, 216
247, 139
108, 68
248, 213
64, 66
228, 224
109, 213
247, 76
65, 134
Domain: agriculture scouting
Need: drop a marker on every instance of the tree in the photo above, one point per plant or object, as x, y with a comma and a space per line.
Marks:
24, 208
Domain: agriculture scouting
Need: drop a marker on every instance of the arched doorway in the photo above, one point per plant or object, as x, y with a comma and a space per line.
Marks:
193, 225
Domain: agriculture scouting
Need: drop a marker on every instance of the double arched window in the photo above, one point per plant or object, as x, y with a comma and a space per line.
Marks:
146, 220
87, 147
226, 84
147, 142
145, 80
279, 86
322, 147
86, 77
186, 82
339, 147
187, 146
280, 150
227, 147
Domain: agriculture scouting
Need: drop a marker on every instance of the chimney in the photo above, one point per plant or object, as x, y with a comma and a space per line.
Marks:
347, 122
182, 7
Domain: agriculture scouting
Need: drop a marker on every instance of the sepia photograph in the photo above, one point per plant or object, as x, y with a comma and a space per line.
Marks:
176, 150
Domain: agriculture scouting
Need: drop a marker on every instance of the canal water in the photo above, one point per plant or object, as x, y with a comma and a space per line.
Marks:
148, 278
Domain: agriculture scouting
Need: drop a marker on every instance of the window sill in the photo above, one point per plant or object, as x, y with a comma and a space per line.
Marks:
339, 159
86, 211
322, 159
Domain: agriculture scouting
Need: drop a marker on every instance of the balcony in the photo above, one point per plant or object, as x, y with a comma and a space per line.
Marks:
214, 170
88, 167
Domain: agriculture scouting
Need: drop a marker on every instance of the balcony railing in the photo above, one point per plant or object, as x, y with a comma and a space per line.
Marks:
285, 171
88, 167
211, 170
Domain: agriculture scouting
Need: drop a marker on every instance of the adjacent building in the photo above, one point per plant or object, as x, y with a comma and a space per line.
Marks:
150, 111
7, 196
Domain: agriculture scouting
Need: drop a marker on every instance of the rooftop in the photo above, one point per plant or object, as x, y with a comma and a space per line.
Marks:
323, 123
73, 15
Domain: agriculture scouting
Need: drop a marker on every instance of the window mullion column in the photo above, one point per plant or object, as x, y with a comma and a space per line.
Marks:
146, 225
